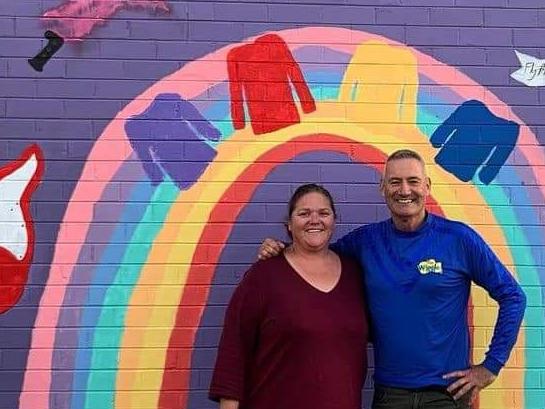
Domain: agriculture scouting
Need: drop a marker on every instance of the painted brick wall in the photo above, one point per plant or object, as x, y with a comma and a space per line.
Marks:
136, 183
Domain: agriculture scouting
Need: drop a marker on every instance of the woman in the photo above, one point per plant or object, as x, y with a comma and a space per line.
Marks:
295, 331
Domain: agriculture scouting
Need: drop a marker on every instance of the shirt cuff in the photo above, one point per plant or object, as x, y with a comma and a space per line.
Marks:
493, 365
218, 392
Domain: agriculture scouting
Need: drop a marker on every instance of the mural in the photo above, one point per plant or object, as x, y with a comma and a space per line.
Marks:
18, 180
193, 165
171, 139
531, 72
471, 139
261, 72
378, 99
118, 254
54, 43
75, 19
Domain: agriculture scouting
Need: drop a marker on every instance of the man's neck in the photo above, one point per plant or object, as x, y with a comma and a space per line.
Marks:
409, 224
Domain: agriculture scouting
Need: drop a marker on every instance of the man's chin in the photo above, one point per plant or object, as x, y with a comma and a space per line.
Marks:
405, 216
405, 212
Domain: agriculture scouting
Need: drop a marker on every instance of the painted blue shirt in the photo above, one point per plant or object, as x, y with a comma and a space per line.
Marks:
417, 286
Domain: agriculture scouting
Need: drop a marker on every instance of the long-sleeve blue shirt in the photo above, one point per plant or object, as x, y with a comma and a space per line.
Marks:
417, 286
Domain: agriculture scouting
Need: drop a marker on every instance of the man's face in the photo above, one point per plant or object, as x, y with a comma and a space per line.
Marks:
405, 187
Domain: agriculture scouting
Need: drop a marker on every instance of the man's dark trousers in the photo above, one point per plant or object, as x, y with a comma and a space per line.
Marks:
425, 398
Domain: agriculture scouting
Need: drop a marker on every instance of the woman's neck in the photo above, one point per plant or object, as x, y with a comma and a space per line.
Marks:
302, 252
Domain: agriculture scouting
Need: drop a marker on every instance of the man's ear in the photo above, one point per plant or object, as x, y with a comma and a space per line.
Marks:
381, 186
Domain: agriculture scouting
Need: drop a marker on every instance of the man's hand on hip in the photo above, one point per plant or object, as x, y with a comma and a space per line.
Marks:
469, 380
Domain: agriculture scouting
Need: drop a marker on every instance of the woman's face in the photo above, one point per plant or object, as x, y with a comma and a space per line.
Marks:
312, 222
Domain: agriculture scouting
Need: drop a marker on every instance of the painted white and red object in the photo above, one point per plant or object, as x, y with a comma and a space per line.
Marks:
18, 181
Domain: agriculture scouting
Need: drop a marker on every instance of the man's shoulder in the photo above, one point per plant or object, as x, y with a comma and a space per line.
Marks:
370, 228
454, 226
456, 230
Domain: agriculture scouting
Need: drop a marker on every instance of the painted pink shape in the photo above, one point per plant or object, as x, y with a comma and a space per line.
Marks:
75, 19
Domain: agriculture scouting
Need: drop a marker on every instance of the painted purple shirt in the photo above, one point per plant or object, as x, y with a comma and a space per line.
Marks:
170, 140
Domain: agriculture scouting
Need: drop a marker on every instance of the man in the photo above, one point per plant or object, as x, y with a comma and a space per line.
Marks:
418, 269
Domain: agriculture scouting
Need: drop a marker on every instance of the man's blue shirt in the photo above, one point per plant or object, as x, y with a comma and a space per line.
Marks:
417, 286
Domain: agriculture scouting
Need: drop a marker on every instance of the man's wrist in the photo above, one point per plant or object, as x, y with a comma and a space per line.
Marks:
493, 365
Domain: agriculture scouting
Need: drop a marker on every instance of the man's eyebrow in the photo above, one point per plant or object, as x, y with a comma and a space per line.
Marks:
397, 178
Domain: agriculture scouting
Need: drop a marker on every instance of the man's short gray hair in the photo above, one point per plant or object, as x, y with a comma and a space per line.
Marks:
405, 154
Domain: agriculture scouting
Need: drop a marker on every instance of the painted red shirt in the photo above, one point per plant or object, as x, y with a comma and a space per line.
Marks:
261, 73
286, 344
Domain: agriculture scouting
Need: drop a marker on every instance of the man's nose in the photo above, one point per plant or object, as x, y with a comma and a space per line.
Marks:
404, 188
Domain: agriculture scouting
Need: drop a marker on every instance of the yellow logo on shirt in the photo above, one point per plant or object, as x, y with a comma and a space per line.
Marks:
430, 266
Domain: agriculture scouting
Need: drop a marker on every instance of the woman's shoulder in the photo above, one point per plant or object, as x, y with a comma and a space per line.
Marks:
351, 268
349, 263
262, 271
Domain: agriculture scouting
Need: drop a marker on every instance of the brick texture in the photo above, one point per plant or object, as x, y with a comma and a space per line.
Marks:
113, 240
